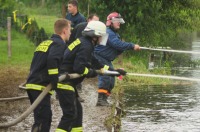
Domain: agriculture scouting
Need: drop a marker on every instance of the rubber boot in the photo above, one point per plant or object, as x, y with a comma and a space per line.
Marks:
102, 100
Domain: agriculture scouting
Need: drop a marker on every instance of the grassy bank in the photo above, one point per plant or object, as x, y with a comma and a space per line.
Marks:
22, 51
137, 64
14, 69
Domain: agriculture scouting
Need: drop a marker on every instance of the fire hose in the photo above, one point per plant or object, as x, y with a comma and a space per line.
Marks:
155, 76
37, 101
168, 50
74, 75
13, 98
41, 96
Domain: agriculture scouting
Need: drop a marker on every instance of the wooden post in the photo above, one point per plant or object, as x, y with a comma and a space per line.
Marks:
151, 61
9, 35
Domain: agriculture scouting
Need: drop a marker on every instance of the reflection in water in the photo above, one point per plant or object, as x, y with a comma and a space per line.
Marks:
159, 108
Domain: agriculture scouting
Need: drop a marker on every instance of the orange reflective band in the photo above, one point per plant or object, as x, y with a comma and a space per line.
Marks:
102, 91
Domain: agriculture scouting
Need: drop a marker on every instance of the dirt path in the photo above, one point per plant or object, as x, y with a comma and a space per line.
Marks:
93, 117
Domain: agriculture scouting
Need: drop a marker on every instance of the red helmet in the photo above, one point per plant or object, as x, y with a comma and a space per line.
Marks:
114, 17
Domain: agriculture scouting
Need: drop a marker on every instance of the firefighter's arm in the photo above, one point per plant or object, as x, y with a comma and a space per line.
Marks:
82, 63
53, 59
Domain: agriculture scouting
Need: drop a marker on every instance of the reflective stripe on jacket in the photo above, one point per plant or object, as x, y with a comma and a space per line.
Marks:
79, 58
36, 87
46, 62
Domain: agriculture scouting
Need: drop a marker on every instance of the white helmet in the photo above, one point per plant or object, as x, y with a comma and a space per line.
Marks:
96, 29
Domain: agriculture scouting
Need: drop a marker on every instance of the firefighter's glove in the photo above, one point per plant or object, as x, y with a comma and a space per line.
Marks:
121, 72
91, 73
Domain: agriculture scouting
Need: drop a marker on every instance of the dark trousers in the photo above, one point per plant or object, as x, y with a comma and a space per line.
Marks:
42, 113
105, 82
72, 110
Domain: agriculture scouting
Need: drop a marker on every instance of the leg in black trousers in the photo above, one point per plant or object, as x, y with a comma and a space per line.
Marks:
42, 113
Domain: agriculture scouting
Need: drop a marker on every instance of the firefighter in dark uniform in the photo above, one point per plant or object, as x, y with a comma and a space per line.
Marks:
77, 33
44, 70
78, 58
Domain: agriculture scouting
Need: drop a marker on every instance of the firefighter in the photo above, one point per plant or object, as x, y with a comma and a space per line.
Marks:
77, 33
106, 54
44, 70
78, 58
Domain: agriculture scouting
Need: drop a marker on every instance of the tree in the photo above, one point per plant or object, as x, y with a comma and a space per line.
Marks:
152, 22
6, 9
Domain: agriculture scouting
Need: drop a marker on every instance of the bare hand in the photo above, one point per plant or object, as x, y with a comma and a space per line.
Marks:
136, 47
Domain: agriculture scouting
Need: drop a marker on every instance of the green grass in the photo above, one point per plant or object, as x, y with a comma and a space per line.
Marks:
22, 51
22, 48
47, 10
136, 65
44, 17
47, 22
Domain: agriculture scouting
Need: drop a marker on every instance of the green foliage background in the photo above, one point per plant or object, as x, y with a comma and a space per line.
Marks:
163, 23
152, 22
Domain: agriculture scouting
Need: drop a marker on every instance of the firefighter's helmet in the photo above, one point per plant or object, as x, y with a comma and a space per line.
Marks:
114, 17
96, 29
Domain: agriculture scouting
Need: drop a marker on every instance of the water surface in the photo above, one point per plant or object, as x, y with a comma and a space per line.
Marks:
174, 108
162, 108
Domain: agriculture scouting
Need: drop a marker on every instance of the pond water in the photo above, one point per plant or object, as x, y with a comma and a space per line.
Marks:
164, 108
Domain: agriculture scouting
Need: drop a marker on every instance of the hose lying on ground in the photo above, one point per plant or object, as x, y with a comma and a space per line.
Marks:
37, 101
13, 98
22, 86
